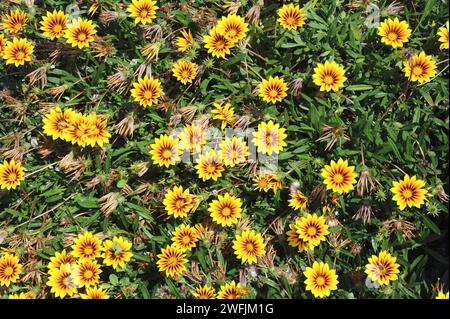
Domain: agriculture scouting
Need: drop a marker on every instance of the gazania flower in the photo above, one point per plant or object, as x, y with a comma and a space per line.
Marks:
18, 51
224, 114
54, 24
97, 133
62, 282
210, 166
320, 279
421, 68
78, 130
232, 27
192, 138
234, 151
269, 138
11, 174
117, 252
184, 71
94, 293
329, 76
312, 229
60, 258
394, 32
2, 44
165, 151
24, 295
144, 11
146, 91
205, 292
178, 202
231, 291
185, 237
442, 295
273, 90
172, 261
248, 246
87, 273
87, 247
409, 192
298, 201
294, 239
382, 268
185, 42
339, 177
10, 269
267, 181
80, 33
443, 37
226, 210
57, 121
14, 21
291, 16
217, 44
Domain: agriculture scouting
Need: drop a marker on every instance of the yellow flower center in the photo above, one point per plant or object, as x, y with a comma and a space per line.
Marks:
172, 261
263, 183
320, 281
226, 211
185, 74
273, 93
82, 36
291, 21
144, 13
312, 231
166, 154
338, 178
220, 45
88, 274
179, 204
148, 95
88, 250
186, 239
250, 247
328, 79
232, 33
20, 55
210, 168
57, 28
8, 271
417, 70
12, 177
393, 36
407, 193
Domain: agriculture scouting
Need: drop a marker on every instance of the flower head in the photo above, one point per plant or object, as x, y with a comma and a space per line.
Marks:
382, 268
234, 151
443, 36
269, 138
62, 281
192, 138
11, 174
232, 27
298, 200
329, 76
57, 121
94, 293
10, 269
60, 258
117, 252
320, 279
248, 246
146, 91
87, 273
178, 202
312, 229
184, 71
14, 21
409, 192
339, 177
217, 44
144, 11
231, 291
18, 51
210, 166
394, 32
226, 210
420, 68
172, 261
185, 237
294, 239
87, 246
80, 32
165, 151
291, 16
54, 24
224, 113
185, 42
266, 181
205, 292
273, 90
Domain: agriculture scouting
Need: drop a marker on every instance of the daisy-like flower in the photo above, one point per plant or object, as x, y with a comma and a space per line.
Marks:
442, 295
232, 27
117, 252
234, 151
10, 269
312, 229
320, 279
146, 91
232, 291
94, 293
185, 237
2, 44
210, 166
62, 282
224, 113
273, 90
269, 138
267, 181
339, 177
248, 246
409, 192
178, 202
382, 268
54, 24
226, 210
294, 239
185, 42
205, 292
24, 295
87, 273
217, 44
298, 200
60, 258
78, 130
11, 174
98, 134
172, 261
192, 138
87, 246
80, 32
291, 16
14, 21
421, 68
18, 51
394, 32
184, 71
144, 11
57, 121
329, 76
443, 37
165, 151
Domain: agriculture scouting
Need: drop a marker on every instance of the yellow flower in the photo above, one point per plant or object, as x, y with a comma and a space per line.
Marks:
10, 269
87, 247
78, 130
172, 261
394, 32
25, 295
312, 229
234, 151
273, 90
232, 27
442, 34
442, 295
185, 237
339, 177
57, 122
248, 246
178, 202
217, 44
184, 71
320, 279
60, 258
117, 252
184, 42
298, 200
329, 76
291, 17
80, 33
409, 192
97, 131
165, 151
62, 282
226, 210
146, 91
11, 174
144, 11
87, 273
192, 138
94, 293
3, 42
231, 291
269, 138
210, 166
294, 239
14, 21
205, 292
266, 181
421, 68
18, 51
224, 114
382, 268
54, 24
